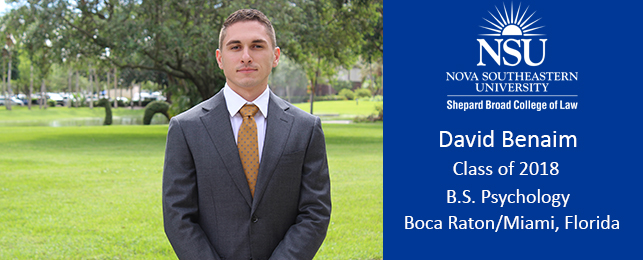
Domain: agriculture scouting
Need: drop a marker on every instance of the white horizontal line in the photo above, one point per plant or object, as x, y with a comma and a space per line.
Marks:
512, 95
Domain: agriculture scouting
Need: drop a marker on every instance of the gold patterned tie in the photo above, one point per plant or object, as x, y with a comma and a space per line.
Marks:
247, 145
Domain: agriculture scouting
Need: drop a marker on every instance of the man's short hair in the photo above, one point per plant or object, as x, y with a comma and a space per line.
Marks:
243, 15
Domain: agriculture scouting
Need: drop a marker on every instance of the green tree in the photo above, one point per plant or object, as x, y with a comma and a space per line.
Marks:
330, 37
179, 38
10, 63
373, 44
35, 28
176, 37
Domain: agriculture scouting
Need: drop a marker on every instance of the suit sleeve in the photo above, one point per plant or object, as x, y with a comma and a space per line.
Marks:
180, 200
304, 238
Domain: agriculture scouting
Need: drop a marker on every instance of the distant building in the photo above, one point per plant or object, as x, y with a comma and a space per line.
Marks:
354, 76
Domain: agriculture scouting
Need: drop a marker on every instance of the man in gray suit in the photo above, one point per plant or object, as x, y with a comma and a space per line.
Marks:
245, 174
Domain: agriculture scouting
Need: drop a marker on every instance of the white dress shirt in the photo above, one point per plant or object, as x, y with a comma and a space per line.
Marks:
235, 102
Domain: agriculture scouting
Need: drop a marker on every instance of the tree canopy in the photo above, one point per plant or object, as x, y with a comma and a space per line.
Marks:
179, 38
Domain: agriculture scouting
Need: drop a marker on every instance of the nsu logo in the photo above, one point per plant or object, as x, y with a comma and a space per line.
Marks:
511, 25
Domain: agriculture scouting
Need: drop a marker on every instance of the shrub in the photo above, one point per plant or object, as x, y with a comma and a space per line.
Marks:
122, 103
78, 99
380, 111
51, 103
374, 117
347, 94
153, 108
329, 98
363, 93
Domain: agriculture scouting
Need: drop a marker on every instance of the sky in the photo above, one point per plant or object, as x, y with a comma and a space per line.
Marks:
3, 7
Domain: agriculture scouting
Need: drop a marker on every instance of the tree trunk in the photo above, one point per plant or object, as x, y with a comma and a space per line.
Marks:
106, 88
9, 83
108, 84
91, 88
114, 97
140, 99
313, 85
7, 99
69, 90
30, 88
77, 91
312, 95
43, 97
131, 96
168, 95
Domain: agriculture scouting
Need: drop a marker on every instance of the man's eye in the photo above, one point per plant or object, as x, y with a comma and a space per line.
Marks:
234, 47
258, 46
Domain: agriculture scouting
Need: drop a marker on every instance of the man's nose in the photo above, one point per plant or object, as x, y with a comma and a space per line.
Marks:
245, 56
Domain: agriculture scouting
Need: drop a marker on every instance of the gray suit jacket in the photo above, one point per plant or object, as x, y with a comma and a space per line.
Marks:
208, 210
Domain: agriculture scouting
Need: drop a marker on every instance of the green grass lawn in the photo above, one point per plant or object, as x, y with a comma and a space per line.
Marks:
95, 192
346, 109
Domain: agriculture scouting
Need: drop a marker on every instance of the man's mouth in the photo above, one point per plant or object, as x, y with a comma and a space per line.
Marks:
246, 70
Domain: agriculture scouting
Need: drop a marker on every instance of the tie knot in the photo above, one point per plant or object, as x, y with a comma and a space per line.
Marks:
248, 110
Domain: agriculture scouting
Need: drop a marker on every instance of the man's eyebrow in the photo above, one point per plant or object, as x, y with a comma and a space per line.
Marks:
259, 41
238, 42
233, 42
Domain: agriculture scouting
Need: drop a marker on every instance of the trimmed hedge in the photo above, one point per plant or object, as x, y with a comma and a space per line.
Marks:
108, 110
153, 108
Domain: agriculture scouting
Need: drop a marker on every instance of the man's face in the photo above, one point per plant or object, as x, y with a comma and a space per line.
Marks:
247, 56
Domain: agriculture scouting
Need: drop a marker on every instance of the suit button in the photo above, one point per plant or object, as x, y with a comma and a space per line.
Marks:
254, 219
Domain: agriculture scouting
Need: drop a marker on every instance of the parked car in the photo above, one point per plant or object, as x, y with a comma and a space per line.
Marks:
68, 98
145, 96
14, 101
22, 98
60, 101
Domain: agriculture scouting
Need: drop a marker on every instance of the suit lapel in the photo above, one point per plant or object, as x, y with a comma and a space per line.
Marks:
278, 125
216, 120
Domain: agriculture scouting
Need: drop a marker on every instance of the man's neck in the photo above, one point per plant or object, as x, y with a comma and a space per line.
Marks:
249, 94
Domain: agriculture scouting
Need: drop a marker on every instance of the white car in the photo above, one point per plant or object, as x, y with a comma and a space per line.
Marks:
14, 101
56, 97
145, 96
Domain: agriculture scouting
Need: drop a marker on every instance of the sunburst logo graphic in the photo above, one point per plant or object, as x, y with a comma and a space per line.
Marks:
512, 25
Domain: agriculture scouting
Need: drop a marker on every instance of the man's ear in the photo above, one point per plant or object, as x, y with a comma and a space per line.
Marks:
219, 59
277, 53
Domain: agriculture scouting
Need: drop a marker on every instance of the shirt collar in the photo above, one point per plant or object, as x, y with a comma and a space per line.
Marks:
234, 101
